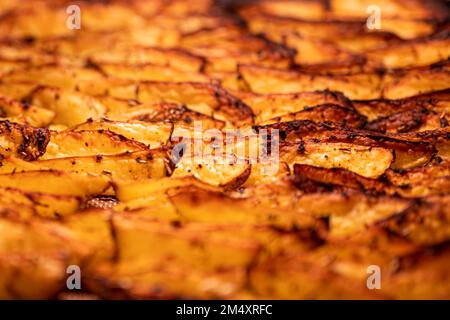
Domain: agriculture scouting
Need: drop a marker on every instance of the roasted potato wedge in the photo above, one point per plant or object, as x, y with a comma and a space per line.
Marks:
89, 143
174, 58
369, 162
274, 105
32, 115
266, 81
71, 108
129, 165
345, 117
204, 98
152, 135
46, 205
57, 182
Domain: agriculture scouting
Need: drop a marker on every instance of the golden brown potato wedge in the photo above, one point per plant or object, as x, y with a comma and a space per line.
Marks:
439, 138
93, 228
417, 119
411, 54
30, 277
32, 115
221, 171
181, 244
290, 9
437, 102
339, 177
432, 179
56, 182
133, 165
46, 205
354, 86
127, 191
366, 41
318, 52
273, 105
301, 273
178, 115
345, 117
152, 135
208, 99
89, 143
414, 9
31, 253
71, 78
199, 205
424, 222
408, 154
149, 72
276, 27
178, 284
174, 58
414, 82
369, 162
71, 108
17, 90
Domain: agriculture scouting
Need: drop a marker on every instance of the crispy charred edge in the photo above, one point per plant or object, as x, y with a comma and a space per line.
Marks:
34, 140
106, 120
439, 11
299, 127
340, 99
429, 136
347, 117
356, 61
175, 113
234, 108
197, 193
443, 65
399, 122
330, 178
385, 106
308, 185
236, 182
275, 51
329, 132
338, 96
348, 26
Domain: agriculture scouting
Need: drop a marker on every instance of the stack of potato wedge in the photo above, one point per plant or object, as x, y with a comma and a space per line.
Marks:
126, 148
